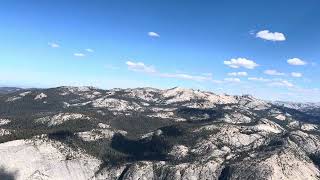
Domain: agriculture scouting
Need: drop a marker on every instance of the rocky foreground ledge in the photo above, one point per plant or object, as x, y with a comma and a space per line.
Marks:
147, 133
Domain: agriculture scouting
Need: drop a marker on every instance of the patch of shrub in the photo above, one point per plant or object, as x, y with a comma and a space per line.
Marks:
155, 148
315, 159
5, 175
61, 135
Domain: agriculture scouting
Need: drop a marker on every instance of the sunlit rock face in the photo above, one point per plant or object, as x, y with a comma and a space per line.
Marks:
147, 133
45, 159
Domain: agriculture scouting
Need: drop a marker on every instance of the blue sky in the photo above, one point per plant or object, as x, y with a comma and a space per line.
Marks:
269, 49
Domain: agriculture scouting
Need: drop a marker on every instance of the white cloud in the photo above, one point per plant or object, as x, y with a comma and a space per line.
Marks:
89, 50
216, 81
270, 36
296, 62
260, 79
282, 83
238, 74
273, 72
200, 78
232, 79
272, 82
296, 74
79, 54
241, 62
141, 67
186, 76
153, 34
53, 45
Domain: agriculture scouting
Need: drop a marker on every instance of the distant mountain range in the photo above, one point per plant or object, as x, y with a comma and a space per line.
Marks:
5, 90
297, 105
148, 133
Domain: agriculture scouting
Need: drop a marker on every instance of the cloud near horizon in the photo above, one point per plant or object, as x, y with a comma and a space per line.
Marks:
140, 67
282, 83
186, 76
272, 82
149, 69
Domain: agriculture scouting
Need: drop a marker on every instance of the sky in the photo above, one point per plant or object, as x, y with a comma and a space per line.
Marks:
270, 49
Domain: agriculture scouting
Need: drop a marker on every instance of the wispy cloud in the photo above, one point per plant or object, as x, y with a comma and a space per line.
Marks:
260, 79
153, 34
296, 62
241, 62
238, 74
281, 83
272, 82
149, 69
273, 72
236, 80
53, 45
89, 50
186, 76
140, 67
79, 54
296, 74
271, 36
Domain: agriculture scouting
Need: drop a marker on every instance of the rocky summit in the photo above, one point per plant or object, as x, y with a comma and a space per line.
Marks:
147, 133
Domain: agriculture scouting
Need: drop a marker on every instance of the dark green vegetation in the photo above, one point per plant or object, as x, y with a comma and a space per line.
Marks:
138, 124
316, 159
200, 115
311, 116
5, 175
225, 173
